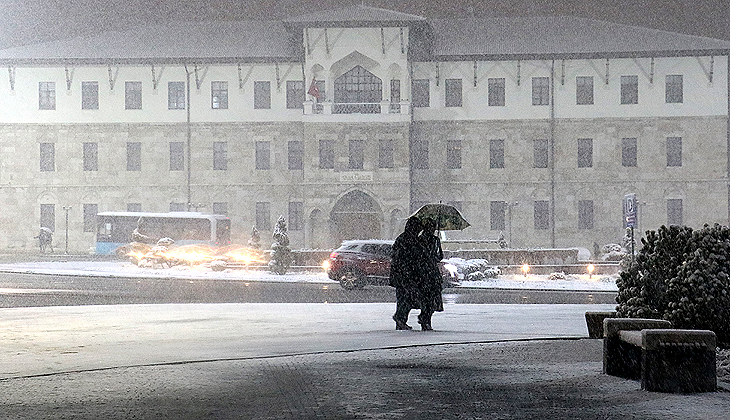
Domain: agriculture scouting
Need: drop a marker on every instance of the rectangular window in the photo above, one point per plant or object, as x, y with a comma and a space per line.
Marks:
674, 89
395, 95
132, 95
134, 156
296, 215
584, 90
453, 154
585, 153
542, 215
294, 94
177, 156
385, 153
674, 151
48, 157
496, 91
585, 214
629, 90
46, 95
674, 212
89, 95
453, 92
357, 153
90, 211
541, 91
326, 154
220, 208
178, 207
262, 95
263, 155
219, 95
91, 157
497, 210
48, 216
263, 216
420, 154
296, 155
220, 155
541, 153
175, 95
496, 154
628, 152
134, 207
420, 94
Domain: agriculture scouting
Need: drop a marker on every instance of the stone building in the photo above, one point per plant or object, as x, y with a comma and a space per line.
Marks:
346, 121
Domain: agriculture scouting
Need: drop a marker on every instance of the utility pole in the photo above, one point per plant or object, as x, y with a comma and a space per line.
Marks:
66, 209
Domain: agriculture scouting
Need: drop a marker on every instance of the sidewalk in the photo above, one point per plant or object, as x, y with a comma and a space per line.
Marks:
317, 361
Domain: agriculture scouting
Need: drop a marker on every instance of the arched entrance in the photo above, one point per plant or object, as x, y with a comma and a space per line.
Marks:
356, 216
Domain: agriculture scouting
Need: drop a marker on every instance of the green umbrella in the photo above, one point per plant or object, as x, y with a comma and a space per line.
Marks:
447, 217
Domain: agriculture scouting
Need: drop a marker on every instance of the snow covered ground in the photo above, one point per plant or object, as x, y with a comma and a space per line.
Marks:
126, 269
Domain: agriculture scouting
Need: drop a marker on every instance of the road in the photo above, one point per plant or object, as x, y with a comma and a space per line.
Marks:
24, 290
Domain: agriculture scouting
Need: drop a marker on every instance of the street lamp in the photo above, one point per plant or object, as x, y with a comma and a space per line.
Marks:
66, 209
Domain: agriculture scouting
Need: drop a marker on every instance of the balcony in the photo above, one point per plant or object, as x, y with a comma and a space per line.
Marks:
331, 108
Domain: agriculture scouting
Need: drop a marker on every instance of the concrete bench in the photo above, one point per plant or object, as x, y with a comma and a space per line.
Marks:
665, 359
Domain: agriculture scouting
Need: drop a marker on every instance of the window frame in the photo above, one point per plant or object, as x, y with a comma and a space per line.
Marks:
90, 156
453, 153
262, 155
356, 154
326, 154
134, 156
218, 94
89, 213
420, 154
584, 90
674, 151
46, 96
541, 214
496, 91
176, 95
296, 215
540, 91
177, 156
90, 95
674, 89
497, 215
585, 153
629, 152
453, 93
220, 155
675, 212
386, 152
261, 94
47, 157
629, 90
541, 153
420, 93
295, 94
133, 95
263, 216
496, 153
586, 214
295, 155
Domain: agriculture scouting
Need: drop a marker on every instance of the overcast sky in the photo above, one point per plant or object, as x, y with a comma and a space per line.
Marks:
29, 21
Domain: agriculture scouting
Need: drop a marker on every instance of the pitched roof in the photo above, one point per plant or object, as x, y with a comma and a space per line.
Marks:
354, 15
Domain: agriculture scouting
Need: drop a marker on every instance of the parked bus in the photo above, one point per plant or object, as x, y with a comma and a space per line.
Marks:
115, 228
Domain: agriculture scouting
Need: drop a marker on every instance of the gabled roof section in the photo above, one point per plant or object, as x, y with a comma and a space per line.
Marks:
220, 41
359, 15
555, 36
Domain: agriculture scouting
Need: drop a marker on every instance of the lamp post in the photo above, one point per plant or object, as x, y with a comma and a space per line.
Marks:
66, 209
510, 206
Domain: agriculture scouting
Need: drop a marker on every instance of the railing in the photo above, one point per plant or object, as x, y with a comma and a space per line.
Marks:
384, 107
356, 108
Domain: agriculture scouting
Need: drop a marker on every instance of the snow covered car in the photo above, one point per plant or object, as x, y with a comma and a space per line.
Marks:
357, 263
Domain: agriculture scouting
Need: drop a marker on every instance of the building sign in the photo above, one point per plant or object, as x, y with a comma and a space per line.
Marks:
356, 177
630, 210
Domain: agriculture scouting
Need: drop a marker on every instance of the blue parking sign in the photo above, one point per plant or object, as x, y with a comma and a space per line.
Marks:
630, 207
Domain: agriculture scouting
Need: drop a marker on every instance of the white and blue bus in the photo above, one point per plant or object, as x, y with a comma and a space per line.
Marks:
115, 228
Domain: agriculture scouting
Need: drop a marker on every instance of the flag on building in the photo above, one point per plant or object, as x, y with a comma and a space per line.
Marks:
314, 89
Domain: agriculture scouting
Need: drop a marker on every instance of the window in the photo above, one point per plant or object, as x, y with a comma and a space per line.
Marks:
296, 155
178, 207
674, 90
541, 153
496, 154
89, 95
674, 151
495, 91
262, 95
541, 91
385, 153
177, 156
219, 95
294, 94
220, 208
263, 155
134, 156
358, 91
496, 215
628, 152
326, 154
175, 95
585, 153
48, 216
357, 153
46, 95
220, 155
91, 157
674, 212
395, 95
90, 212
263, 216
420, 154
453, 92
542, 215
584, 90
135, 207
629, 90
296, 215
132, 95
453, 154
420, 94
48, 157
585, 214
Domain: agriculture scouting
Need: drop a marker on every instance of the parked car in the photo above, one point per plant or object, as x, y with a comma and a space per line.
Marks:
357, 263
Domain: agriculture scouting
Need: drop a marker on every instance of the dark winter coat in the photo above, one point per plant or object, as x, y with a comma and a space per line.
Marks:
431, 288
407, 266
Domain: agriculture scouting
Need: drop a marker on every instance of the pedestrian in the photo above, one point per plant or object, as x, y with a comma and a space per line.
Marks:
45, 239
431, 285
407, 270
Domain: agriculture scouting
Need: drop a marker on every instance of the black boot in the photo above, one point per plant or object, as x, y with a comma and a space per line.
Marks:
401, 325
425, 322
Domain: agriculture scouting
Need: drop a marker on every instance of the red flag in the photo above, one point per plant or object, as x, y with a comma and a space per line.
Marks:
314, 90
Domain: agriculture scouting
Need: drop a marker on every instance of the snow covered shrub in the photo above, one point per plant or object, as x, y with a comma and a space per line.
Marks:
557, 276
474, 269
612, 252
682, 276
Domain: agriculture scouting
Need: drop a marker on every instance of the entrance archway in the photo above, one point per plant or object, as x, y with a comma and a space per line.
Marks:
356, 216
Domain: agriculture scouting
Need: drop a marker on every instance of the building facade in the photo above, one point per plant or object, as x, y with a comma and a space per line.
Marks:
346, 121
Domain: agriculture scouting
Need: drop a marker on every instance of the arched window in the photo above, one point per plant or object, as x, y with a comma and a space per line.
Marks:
358, 91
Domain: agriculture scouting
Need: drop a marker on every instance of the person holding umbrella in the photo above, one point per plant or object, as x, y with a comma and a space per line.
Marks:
430, 290
407, 271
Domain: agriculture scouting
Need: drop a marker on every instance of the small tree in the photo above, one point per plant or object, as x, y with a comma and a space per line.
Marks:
281, 253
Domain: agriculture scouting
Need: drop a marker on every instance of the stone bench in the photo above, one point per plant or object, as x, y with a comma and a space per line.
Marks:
664, 359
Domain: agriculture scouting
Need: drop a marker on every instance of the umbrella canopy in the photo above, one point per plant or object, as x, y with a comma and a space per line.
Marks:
447, 217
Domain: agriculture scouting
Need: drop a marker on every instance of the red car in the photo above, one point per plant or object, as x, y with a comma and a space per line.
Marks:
358, 263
